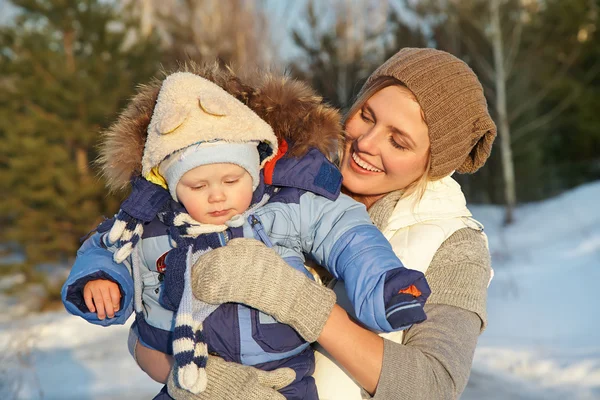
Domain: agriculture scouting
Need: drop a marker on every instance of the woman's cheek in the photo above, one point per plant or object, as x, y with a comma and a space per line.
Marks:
352, 128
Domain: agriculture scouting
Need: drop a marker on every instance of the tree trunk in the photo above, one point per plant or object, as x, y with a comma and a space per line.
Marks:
503, 126
83, 166
147, 18
68, 42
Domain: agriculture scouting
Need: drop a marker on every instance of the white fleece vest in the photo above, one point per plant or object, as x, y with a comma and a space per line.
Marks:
415, 231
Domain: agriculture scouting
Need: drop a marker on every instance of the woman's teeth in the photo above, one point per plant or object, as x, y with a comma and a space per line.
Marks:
363, 164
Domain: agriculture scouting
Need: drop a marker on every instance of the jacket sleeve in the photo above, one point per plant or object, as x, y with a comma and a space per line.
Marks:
340, 236
95, 261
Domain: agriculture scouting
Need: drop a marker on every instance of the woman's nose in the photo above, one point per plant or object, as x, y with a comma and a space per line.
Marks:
370, 141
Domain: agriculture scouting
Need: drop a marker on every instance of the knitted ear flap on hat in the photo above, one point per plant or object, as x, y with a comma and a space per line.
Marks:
486, 133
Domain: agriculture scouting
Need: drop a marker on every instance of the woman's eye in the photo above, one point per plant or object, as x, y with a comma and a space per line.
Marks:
365, 117
396, 144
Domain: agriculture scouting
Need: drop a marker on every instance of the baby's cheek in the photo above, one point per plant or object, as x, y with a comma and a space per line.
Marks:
196, 207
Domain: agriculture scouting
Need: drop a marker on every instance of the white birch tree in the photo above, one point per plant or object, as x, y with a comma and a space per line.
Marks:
508, 168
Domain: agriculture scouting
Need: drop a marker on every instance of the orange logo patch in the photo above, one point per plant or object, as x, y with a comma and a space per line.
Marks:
412, 289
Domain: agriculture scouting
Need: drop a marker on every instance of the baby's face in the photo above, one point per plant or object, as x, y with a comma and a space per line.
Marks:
214, 193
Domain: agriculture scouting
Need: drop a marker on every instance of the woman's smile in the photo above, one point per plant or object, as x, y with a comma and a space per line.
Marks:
362, 166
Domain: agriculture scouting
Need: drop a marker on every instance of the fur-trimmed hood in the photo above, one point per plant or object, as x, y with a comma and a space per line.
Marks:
294, 111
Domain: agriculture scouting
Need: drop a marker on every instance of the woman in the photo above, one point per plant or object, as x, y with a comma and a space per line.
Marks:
419, 117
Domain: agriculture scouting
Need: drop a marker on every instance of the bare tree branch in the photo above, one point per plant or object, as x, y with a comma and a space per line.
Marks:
546, 118
542, 94
491, 94
513, 49
486, 68
522, 131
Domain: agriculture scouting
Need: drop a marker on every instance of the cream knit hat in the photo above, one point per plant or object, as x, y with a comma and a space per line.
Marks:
191, 110
461, 131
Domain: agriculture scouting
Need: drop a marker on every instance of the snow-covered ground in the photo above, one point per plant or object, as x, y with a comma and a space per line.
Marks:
542, 341
56, 356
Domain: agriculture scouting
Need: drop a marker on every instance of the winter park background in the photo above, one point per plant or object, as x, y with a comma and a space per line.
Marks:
68, 66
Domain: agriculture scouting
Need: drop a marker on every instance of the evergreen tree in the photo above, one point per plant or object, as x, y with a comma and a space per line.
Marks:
66, 68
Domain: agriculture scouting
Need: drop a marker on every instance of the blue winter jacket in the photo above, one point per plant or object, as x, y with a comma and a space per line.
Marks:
306, 217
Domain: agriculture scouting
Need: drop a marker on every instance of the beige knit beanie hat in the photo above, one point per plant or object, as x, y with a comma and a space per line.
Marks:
190, 110
461, 130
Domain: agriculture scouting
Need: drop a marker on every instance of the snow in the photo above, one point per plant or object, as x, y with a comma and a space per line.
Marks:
543, 301
58, 356
541, 342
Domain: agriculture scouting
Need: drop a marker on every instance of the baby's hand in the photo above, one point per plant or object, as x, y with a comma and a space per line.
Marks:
102, 296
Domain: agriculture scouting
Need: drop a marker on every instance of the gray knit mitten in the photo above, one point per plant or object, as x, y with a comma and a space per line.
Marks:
246, 271
232, 381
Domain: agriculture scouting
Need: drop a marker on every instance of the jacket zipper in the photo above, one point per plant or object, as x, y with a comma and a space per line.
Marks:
259, 230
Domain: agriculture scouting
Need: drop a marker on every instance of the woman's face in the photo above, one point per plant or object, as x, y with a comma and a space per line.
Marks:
387, 144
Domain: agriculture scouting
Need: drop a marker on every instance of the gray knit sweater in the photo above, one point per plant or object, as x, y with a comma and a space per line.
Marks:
434, 360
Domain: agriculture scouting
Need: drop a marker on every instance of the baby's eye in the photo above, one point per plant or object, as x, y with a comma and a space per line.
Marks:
231, 181
199, 187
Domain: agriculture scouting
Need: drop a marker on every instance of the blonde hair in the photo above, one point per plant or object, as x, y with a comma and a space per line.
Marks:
417, 187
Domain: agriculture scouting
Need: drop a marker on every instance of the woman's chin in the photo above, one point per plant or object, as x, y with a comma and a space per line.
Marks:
358, 184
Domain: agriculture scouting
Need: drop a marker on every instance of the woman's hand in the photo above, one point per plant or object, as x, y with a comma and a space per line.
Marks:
228, 380
246, 271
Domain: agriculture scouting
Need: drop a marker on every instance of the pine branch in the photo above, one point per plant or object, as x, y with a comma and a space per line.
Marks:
522, 131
